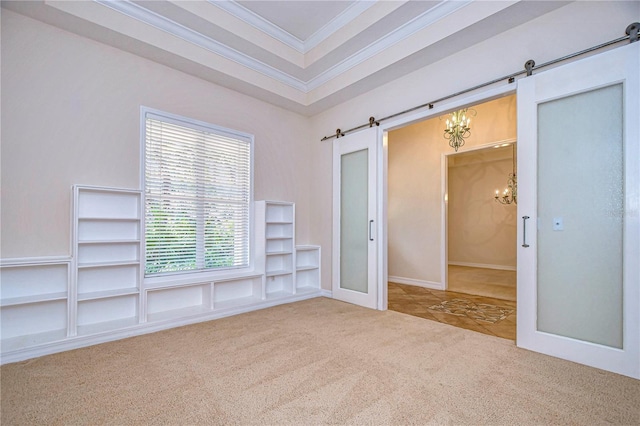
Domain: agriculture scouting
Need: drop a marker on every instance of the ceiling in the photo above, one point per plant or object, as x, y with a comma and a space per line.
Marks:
305, 56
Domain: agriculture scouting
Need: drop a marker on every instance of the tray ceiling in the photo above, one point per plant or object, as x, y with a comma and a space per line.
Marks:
306, 56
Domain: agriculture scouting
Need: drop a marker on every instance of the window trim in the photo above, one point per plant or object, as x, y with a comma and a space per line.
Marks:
186, 277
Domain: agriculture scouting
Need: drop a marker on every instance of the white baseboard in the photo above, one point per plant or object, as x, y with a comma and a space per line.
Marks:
77, 342
483, 265
326, 293
418, 283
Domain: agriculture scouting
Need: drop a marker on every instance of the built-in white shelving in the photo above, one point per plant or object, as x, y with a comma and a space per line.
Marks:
275, 238
33, 301
107, 247
307, 268
166, 302
172, 302
39, 298
100, 293
233, 293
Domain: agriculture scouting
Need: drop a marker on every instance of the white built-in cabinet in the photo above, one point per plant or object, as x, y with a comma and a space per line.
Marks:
100, 292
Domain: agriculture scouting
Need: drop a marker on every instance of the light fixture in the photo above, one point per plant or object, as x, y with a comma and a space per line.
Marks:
510, 194
458, 127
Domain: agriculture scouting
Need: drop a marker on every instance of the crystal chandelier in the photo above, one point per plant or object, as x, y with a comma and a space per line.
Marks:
510, 194
458, 128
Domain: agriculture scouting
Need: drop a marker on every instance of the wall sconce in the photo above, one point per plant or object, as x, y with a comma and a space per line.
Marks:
510, 194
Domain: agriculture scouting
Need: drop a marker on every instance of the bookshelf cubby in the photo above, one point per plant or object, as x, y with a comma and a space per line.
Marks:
307, 268
34, 301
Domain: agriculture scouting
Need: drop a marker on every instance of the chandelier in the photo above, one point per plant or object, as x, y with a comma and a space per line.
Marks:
458, 127
510, 194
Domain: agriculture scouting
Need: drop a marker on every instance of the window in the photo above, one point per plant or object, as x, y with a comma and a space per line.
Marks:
198, 190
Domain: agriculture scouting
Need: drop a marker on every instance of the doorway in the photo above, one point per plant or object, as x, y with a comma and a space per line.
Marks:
422, 261
481, 225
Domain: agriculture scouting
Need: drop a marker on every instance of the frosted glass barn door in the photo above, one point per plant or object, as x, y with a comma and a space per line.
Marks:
354, 218
578, 203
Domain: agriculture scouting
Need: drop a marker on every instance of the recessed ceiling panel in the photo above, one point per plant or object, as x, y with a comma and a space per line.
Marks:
299, 18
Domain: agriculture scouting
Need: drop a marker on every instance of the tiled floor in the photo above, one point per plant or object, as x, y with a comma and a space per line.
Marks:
492, 283
495, 317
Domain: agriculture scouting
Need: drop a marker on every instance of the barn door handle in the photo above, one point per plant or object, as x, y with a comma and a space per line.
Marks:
524, 231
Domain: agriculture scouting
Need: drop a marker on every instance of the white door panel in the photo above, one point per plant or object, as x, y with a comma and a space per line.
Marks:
578, 199
354, 218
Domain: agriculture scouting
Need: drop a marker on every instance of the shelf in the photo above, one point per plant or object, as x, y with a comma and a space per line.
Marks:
307, 248
278, 295
172, 285
223, 279
284, 245
22, 262
279, 233
94, 295
308, 259
279, 222
178, 313
90, 280
29, 340
33, 323
108, 264
307, 289
107, 203
29, 283
180, 301
235, 303
276, 253
278, 212
306, 268
37, 298
101, 327
109, 219
279, 238
108, 231
277, 273
235, 293
109, 242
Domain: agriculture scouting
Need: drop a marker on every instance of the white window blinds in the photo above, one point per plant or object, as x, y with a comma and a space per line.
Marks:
197, 196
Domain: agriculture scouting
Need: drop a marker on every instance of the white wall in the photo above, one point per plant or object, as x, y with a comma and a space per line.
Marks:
71, 115
414, 189
571, 28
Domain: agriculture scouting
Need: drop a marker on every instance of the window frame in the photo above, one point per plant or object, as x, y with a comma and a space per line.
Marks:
201, 274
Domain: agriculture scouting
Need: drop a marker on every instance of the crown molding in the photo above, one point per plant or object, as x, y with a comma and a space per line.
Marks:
139, 13
418, 23
302, 46
257, 21
148, 17
344, 18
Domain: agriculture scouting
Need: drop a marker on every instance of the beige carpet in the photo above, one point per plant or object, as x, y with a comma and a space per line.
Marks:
485, 282
311, 362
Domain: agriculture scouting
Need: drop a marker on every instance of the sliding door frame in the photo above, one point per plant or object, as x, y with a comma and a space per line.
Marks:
383, 173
